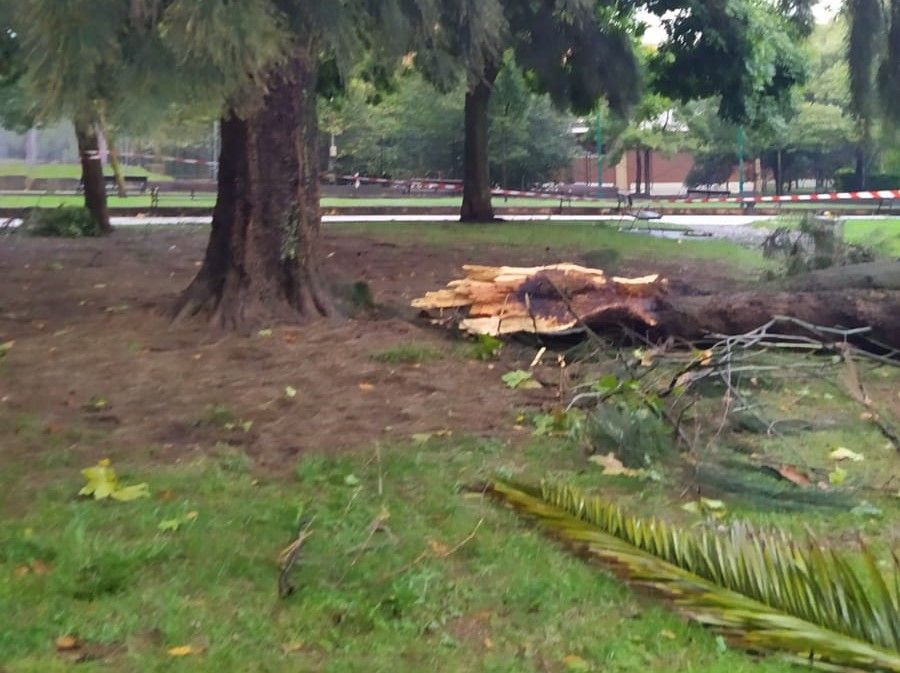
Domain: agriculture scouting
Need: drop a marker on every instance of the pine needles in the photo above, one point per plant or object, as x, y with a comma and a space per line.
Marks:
763, 590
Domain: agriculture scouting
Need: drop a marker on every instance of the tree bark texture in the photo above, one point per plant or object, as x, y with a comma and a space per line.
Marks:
92, 173
693, 317
476, 205
261, 264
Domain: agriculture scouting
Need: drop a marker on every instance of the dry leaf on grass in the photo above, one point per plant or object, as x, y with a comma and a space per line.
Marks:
613, 467
793, 475
67, 643
184, 651
843, 453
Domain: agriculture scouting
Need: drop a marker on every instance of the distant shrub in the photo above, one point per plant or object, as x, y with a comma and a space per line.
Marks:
845, 181
812, 243
63, 222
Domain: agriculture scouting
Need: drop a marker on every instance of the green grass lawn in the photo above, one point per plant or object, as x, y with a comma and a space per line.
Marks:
881, 235
451, 582
582, 236
505, 600
176, 200
70, 171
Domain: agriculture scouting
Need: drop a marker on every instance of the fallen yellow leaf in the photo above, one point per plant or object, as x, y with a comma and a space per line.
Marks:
66, 643
181, 651
39, 567
612, 466
575, 663
843, 453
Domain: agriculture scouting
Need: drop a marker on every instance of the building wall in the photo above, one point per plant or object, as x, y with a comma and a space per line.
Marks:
668, 172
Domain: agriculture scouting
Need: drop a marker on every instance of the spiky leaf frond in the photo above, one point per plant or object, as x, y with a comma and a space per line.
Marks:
763, 590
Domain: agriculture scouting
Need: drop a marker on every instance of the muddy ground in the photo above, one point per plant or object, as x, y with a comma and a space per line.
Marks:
97, 363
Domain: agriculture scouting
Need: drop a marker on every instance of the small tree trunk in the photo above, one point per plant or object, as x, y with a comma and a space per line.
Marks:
779, 184
476, 205
648, 180
114, 159
261, 264
117, 171
639, 171
860, 168
92, 172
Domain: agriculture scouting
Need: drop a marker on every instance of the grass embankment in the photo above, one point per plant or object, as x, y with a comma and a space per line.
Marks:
176, 200
559, 235
70, 171
882, 234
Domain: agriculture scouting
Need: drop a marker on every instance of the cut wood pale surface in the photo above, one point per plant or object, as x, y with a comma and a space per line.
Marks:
554, 299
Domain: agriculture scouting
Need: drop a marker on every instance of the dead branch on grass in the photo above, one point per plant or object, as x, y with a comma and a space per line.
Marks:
287, 559
435, 551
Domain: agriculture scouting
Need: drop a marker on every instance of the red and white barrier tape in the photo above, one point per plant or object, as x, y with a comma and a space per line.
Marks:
455, 186
826, 196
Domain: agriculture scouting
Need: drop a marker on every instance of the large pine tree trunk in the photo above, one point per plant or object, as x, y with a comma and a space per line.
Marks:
476, 205
261, 264
92, 172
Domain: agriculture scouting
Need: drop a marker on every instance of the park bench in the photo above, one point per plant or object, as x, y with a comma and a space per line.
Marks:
139, 182
708, 192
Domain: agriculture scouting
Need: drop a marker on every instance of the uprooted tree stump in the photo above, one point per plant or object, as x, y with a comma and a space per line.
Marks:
566, 298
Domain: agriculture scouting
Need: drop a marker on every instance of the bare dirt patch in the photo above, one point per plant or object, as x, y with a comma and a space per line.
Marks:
95, 351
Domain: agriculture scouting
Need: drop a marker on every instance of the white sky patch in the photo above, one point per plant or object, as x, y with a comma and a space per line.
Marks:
655, 34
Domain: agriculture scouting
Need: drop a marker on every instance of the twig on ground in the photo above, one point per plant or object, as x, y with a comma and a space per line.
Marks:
287, 559
378, 525
430, 552
857, 391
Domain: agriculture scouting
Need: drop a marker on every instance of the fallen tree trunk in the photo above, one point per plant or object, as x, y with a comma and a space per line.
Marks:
693, 318
565, 298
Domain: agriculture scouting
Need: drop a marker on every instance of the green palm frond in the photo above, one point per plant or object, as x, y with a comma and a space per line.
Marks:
763, 590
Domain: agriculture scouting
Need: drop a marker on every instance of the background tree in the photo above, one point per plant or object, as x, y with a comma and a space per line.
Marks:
74, 64
655, 127
865, 52
740, 51
414, 130
574, 51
